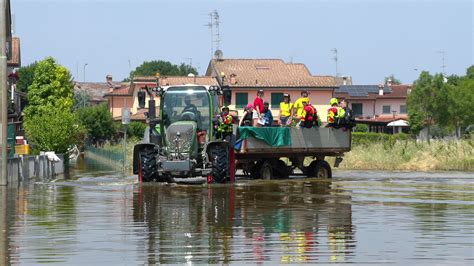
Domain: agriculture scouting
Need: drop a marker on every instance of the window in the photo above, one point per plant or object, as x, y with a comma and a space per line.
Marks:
386, 109
241, 99
403, 109
277, 98
357, 109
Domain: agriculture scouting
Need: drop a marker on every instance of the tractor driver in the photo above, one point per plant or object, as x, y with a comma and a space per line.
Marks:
189, 106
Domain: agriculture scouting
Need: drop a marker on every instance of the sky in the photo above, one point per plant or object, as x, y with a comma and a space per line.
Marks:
374, 39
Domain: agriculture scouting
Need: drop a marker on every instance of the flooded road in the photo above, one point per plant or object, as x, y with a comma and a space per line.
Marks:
100, 217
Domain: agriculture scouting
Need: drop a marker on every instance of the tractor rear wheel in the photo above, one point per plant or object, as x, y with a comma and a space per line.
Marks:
149, 167
220, 164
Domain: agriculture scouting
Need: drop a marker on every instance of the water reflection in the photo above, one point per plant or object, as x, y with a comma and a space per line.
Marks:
294, 222
105, 218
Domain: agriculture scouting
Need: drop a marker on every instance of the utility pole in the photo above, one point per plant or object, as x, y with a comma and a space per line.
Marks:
335, 60
3, 96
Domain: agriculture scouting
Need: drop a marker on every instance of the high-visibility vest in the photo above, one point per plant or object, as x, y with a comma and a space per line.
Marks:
309, 113
226, 125
334, 114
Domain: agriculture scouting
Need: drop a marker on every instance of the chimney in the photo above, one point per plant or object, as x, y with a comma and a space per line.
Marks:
389, 82
381, 90
233, 79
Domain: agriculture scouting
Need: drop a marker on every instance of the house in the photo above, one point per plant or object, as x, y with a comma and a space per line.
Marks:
378, 106
97, 90
275, 77
127, 95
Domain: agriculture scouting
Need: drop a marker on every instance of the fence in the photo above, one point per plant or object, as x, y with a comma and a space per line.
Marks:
102, 159
24, 168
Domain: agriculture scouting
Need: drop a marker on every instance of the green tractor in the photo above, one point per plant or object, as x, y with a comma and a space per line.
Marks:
181, 144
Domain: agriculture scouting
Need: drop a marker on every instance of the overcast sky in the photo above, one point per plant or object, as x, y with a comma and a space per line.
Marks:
374, 38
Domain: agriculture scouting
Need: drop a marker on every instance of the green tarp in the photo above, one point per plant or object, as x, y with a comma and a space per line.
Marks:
273, 136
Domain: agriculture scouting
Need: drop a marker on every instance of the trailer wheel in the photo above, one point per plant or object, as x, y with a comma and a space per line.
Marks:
319, 169
220, 164
266, 171
282, 170
149, 167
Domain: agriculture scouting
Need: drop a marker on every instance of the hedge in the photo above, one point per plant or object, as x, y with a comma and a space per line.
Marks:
367, 138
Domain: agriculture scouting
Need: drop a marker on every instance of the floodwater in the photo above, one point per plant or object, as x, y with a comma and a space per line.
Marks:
100, 217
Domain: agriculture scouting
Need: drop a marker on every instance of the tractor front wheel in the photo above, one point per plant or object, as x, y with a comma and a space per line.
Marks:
148, 165
220, 164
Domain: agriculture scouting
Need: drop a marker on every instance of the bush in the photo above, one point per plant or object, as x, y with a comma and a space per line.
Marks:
98, 122
136, 129
361, 128
368, 138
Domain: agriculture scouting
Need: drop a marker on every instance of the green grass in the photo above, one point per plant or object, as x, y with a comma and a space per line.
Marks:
410, 155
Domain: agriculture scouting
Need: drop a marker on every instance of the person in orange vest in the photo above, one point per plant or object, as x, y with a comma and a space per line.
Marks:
335, 113
309, 115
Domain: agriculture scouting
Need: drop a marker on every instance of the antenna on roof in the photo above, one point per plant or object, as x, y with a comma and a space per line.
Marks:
335, 59
218, 55
443, 66
214, 22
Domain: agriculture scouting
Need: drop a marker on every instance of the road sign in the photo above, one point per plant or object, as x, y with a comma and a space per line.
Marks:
125, 115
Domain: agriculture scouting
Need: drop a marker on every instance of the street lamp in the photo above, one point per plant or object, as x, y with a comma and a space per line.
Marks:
84, 71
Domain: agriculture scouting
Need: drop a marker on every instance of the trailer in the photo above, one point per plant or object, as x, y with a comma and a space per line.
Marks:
276, 152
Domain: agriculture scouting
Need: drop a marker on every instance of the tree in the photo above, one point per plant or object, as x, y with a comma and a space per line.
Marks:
49, 121
81, 99
52, 86
444, 102
52, 129
420, 102
394, 80
26, 75
165, 68
98, 122
461, 98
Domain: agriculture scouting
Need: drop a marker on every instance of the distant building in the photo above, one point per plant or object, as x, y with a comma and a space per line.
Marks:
126, 95
275, 77
378, 105
98, 90
343, 81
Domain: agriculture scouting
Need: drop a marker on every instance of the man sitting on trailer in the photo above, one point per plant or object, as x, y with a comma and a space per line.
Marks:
335, 114
298, 105
309, 116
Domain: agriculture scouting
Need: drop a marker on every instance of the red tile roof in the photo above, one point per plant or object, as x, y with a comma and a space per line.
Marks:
268, 73
175, 80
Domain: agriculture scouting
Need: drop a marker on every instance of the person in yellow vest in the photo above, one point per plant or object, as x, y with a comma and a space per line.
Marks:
335, 113
286, 111
225, 124
298, 106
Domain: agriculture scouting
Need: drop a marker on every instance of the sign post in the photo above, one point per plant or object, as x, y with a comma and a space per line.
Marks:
125, 122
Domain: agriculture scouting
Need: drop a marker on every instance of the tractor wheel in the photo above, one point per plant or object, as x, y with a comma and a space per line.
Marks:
220, 164
149, 167
266, 171
319, 169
